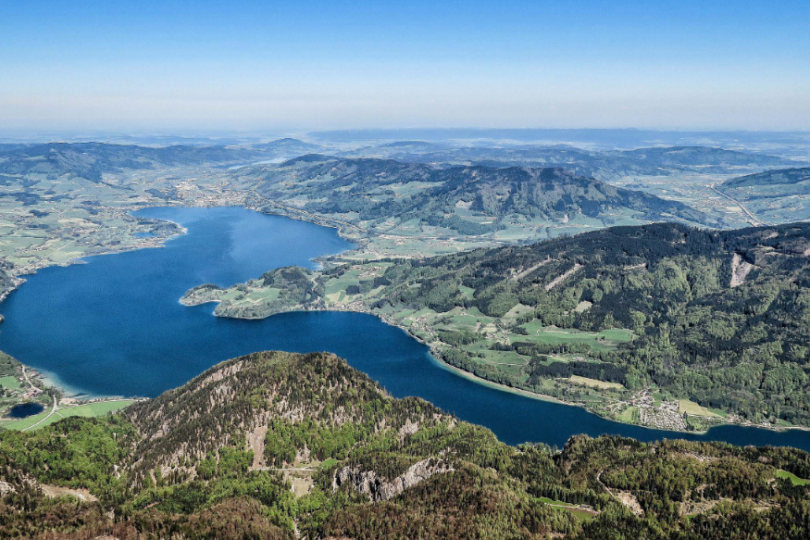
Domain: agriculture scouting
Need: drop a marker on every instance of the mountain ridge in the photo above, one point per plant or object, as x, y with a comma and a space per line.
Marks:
373, 190
389, 468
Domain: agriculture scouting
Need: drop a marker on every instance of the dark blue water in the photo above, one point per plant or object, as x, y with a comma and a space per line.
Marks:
24, 410
114, 326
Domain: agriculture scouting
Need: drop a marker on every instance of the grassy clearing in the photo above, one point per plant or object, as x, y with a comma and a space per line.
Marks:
607, 339
617, 334
90, 410
337, 285
718, 412
546, 500
583, 306
254, 296
690, 407
9, 383
516, 312
328, 463
26, 422
795, 480
468, 292
629, 415
594, 383
580, 514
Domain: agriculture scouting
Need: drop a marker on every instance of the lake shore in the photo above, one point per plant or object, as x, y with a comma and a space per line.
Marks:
462, 373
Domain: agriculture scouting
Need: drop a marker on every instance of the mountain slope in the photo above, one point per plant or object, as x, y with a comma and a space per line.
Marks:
387, 196
716, 317
365, 465
784, 177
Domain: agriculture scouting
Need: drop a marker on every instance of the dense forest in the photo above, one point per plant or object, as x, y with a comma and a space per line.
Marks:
279, 445
720, 317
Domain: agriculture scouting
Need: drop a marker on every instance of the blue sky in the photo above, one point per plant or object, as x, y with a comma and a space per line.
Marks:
247, 65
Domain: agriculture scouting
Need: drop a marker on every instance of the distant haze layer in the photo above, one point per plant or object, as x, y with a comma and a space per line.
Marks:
250, 65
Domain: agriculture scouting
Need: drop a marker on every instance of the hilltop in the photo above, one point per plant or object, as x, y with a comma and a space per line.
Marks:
280, 445
779, 177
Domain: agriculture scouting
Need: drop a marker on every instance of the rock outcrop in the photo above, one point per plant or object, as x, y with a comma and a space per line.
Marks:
380, 489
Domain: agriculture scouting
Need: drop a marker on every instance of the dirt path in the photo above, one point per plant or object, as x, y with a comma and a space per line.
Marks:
27, 380
523, 274
624, 497
575, 508
559, 279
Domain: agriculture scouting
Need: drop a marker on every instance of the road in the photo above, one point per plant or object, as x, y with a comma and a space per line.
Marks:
25, 376
53, 410
754, 219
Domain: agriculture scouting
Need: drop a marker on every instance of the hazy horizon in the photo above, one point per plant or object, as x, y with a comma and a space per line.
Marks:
247, 66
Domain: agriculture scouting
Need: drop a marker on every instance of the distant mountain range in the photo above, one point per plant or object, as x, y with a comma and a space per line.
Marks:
467, 199
793, 143
91, 160
604, 165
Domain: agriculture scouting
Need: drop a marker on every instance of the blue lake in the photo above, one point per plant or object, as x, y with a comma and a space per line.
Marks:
24, 410
114, 326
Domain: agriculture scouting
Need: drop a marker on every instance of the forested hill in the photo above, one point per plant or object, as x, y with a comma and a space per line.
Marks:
770, 178
469, 199
776, 196
720, 317
284, 446
716, 317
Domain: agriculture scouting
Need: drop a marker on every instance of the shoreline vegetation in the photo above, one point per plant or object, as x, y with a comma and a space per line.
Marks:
359, 255
437, 357
20, 384
349, 285
284, 446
